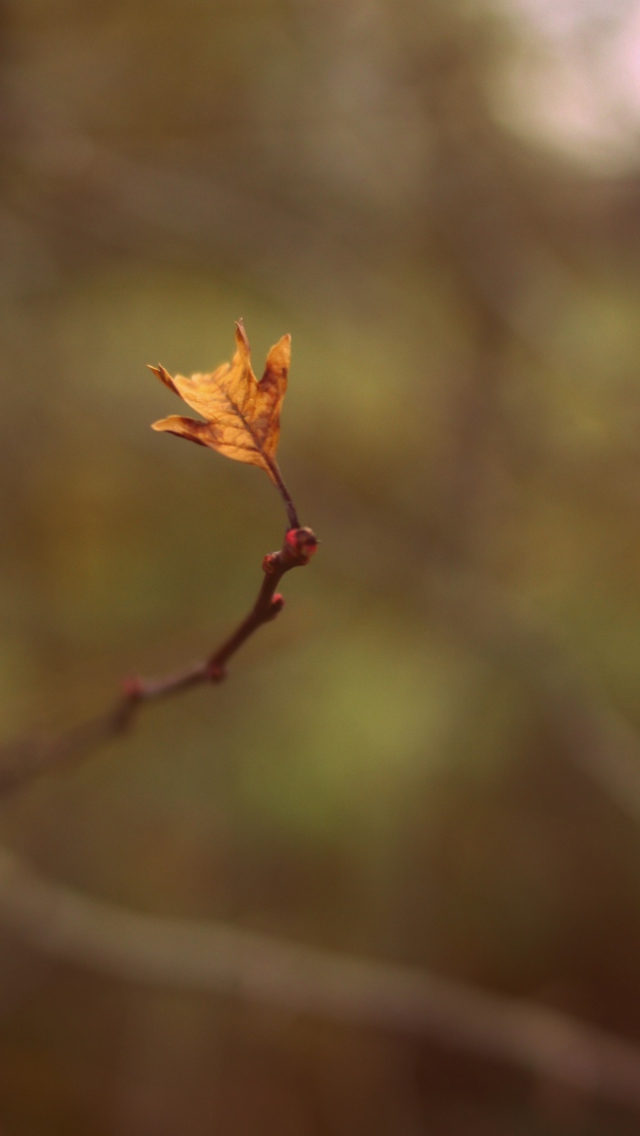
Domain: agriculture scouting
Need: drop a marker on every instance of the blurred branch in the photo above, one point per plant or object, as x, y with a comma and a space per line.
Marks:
516, 286
593, 736
218, 958
472, 608
26, 758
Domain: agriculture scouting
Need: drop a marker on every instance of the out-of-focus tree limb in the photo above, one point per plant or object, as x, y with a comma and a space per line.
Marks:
218, 958
469, 607
592, 735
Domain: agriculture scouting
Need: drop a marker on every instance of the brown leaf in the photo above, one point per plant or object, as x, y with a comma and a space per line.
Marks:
242, 415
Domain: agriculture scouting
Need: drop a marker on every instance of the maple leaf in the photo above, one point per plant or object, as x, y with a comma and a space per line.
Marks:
242, 415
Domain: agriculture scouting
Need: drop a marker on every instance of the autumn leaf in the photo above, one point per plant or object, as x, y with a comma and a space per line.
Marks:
242, 415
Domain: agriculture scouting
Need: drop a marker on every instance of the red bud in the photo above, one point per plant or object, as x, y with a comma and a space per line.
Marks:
301, 544
270, 563
133, 688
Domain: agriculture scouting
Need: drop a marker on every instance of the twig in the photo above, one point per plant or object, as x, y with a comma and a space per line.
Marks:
24, 759
216, 958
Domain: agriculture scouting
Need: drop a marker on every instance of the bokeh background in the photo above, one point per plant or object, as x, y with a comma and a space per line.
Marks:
440, 200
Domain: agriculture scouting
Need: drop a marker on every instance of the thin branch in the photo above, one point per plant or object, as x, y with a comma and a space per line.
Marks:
216, 958
22, 760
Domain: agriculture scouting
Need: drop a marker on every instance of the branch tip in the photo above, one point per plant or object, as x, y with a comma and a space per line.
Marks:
300, 545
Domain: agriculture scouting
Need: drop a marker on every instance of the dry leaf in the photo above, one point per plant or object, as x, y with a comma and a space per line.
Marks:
242, 415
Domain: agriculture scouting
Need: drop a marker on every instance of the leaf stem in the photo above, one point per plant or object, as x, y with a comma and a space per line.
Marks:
270, 462
292, 514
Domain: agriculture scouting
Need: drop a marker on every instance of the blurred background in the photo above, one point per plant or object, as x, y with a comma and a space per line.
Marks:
417, 763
